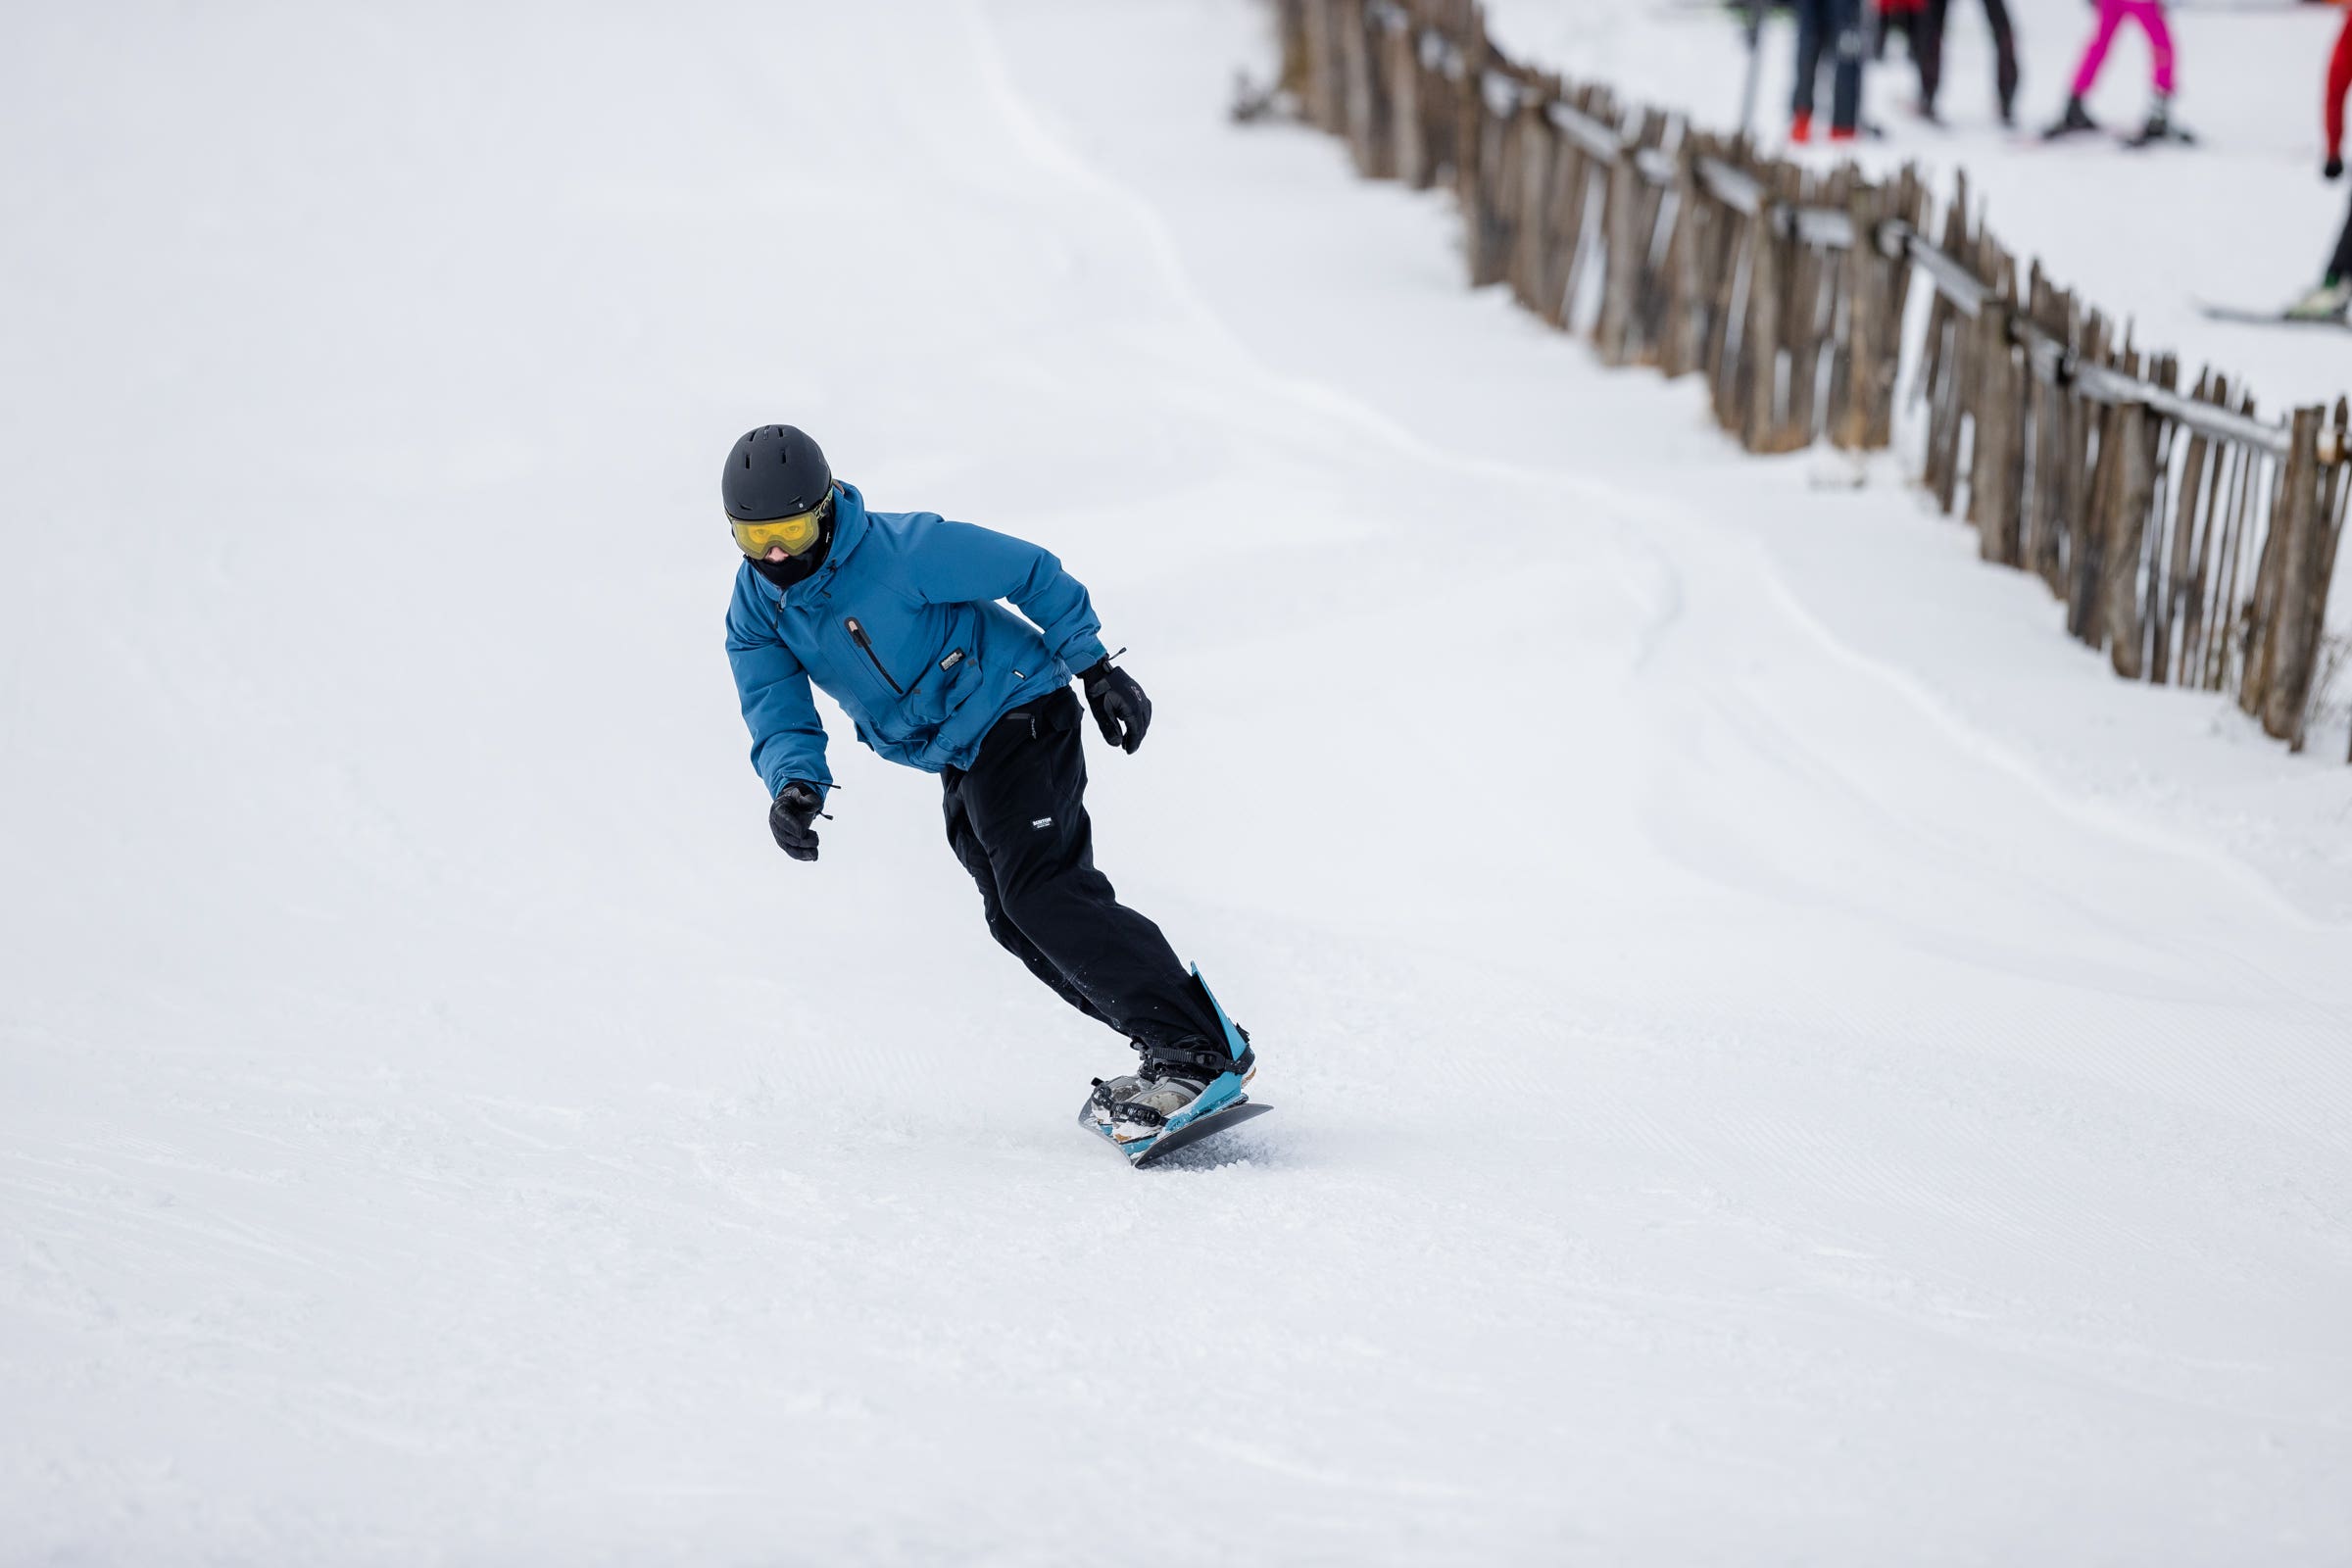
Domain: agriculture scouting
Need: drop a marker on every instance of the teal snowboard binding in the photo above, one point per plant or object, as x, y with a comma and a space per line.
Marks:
1170, 1104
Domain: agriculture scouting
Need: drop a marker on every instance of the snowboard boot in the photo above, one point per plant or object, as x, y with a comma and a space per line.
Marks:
2332, 301
1174, 1084
1145, 1111
2074, 123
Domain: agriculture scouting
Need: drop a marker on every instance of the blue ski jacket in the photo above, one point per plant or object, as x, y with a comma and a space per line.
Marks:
902, 626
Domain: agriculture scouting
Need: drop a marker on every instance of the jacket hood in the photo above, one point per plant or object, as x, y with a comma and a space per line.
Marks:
849, 531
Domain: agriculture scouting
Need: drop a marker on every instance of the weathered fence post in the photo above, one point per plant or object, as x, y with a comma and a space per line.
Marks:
1683, 333
1994, 476
1735, 284
1760, 342
2133, 491
1532, 237
1400, 63
1469, 142
1564, 216
1648, 319
1864, 356
1622, 283
1325, 100
1910, 208
2181, 579
1370, 137
2293, 633
1810, 277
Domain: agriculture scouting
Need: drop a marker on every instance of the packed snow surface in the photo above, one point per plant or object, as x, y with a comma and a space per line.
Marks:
1779, 1055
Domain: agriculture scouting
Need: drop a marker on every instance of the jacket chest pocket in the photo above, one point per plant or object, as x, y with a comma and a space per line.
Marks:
946, 684
863, 641
921, 689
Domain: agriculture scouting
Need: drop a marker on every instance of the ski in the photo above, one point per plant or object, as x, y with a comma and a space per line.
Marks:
2251, 317
1191, 1132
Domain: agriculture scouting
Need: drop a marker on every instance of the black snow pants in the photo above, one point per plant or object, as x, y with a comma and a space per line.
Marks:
2339, 266
1833, 26
1017, 821
1930, 53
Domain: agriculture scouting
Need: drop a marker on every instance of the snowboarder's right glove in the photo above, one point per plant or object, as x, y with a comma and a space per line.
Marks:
790, 817
1118, 703
2333, 168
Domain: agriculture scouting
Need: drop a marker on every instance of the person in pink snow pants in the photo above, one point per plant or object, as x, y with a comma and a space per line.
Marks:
2113, 13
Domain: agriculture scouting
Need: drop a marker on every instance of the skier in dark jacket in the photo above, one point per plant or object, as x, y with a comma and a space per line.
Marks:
2332, 301
899, 617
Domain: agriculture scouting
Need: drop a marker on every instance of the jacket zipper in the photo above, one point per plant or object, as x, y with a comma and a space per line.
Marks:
858, 636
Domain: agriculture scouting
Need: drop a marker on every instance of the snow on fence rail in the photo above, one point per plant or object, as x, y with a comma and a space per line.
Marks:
2190, 539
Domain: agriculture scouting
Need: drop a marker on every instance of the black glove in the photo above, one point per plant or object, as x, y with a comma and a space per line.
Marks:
790, 817
1118, 703
2333, 168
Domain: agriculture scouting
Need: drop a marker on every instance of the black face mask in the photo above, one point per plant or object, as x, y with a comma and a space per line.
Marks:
801, 567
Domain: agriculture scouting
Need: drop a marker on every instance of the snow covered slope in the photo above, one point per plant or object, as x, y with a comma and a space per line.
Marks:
1779, 1055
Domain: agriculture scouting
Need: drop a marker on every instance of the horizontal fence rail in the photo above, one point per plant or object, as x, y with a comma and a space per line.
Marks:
2188, 538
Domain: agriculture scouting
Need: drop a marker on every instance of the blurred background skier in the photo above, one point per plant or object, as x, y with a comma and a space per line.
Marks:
2113, 13
1830, 29
897, 617
2331, 300
1925, 28
1906, 20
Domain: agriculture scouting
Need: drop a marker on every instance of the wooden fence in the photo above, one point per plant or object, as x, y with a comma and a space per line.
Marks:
2190, 539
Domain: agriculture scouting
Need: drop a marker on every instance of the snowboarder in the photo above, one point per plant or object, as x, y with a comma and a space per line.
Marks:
896, 616
1836, 26
2332, 301
2149, 14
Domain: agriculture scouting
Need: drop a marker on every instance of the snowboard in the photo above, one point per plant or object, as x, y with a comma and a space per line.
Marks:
1191, 1132
2246, 318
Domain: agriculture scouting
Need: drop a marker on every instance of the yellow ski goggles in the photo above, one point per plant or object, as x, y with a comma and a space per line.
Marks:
796, 533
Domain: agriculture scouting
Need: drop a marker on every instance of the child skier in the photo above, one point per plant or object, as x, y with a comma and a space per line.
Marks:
895, 615
2149, 14
2332, 301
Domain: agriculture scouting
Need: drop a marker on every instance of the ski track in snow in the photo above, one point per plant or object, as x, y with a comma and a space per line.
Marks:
1744, 1093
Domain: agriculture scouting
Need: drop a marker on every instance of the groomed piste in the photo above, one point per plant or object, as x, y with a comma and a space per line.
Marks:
1780, 1058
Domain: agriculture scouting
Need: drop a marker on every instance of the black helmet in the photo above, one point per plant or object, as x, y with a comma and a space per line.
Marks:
774, 471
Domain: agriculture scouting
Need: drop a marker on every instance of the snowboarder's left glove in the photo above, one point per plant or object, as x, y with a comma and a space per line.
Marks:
792, 818
2333, 168
1119, 705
